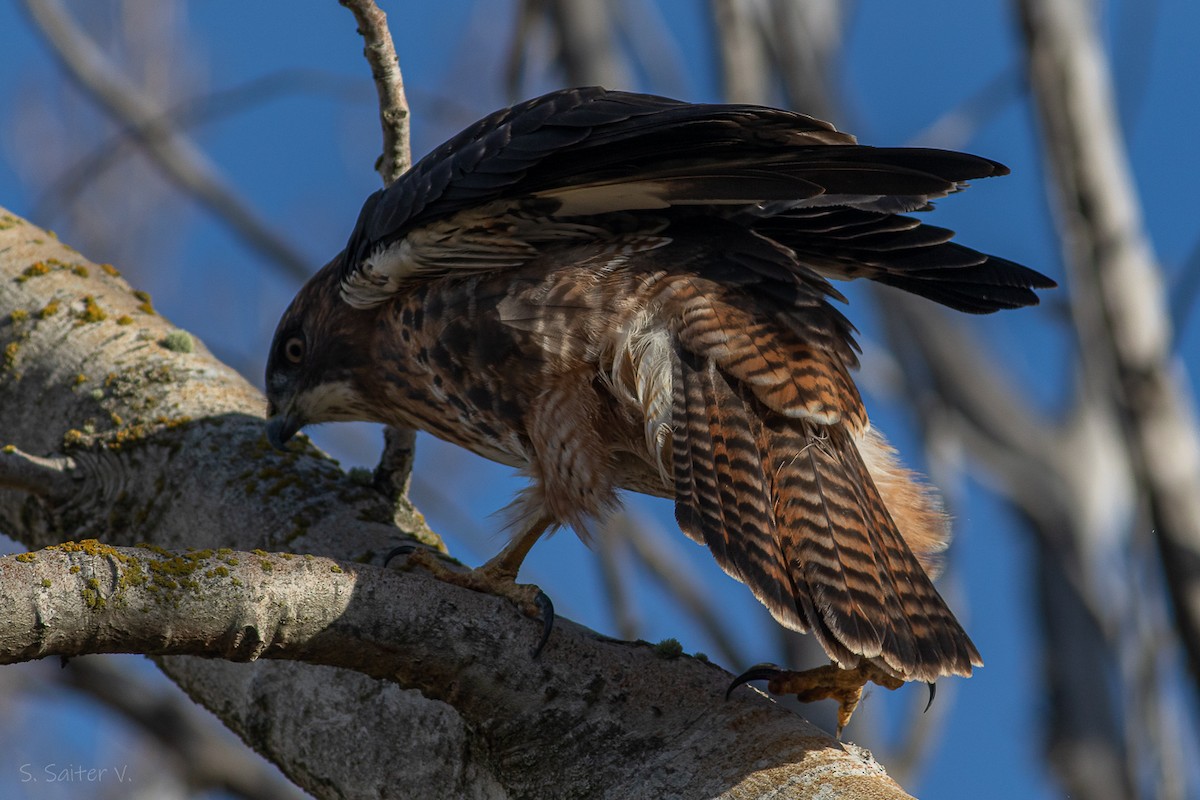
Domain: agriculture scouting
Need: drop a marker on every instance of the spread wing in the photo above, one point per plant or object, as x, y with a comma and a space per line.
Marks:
588, 163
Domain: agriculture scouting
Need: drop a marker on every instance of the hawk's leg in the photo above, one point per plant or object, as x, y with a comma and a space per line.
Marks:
507, 563
828, 682
498, 576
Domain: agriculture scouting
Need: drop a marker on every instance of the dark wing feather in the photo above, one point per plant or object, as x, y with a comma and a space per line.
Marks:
558, 167
900, 251
570, 137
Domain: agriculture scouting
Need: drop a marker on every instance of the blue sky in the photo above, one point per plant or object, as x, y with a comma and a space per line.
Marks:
304, 159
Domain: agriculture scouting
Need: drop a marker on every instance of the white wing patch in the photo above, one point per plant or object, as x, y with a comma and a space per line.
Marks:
640, 374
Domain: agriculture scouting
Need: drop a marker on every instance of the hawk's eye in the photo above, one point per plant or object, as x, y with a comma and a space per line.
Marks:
293, 349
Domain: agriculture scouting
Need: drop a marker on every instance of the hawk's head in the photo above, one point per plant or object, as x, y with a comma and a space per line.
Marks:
316, 359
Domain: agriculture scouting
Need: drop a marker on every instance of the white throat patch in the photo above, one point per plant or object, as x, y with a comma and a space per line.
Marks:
332, 402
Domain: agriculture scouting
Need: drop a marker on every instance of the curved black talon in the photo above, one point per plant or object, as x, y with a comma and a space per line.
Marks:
402, 550
759, 672
545, 605
932, 691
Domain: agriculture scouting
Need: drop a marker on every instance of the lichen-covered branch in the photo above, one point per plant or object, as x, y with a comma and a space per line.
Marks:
239, 606
165, 446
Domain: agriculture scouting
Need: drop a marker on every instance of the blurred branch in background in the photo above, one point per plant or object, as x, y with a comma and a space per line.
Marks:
183, 750
738, 32
779, 52
1123, 329
1110, 731
142, 117
578, 43
203, 753
628, 544
191, 113
1185, 295
1118, 300
954, 129
1062, 486
612, 557
580, 36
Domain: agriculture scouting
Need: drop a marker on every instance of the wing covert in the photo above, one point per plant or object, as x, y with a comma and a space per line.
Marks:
587, 163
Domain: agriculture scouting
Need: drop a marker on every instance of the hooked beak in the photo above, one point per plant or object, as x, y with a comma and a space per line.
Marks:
281, 428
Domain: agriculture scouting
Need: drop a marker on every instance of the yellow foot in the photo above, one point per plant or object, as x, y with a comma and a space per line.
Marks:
492, 578
829, 682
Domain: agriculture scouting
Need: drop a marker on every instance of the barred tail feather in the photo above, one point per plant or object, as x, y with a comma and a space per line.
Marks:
790, 508
721, 488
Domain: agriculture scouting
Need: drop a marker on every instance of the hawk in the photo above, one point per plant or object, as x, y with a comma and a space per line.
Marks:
614, 291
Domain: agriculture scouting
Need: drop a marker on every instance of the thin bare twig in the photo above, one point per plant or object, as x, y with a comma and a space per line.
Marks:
394, 471
380, 53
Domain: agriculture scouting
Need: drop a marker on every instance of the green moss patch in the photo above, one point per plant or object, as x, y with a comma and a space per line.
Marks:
178, 342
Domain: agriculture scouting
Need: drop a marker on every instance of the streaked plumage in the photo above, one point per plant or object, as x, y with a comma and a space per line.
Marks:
615, 291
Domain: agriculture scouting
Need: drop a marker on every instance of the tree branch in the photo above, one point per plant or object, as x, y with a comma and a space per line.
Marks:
168, 448
385, 69
184, 116
584, 42
241, 606
48, 477
393, 474
670, 570
1068, 483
